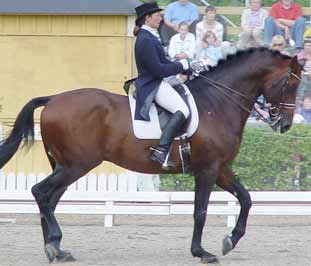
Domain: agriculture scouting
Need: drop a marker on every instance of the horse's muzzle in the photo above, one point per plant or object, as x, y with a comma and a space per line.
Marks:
285, 127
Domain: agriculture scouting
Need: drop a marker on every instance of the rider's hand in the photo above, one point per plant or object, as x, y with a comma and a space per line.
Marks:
185, 64
196, 66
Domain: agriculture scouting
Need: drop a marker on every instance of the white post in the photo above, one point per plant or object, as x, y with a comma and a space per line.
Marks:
109, 217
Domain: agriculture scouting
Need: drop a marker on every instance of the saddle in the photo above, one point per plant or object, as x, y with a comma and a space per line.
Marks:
159, 117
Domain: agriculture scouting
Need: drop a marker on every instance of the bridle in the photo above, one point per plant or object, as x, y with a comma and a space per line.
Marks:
274, 110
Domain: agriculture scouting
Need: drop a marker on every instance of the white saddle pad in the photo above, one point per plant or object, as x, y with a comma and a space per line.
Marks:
151, 129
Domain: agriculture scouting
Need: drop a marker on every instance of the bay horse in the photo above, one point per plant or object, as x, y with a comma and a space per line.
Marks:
84, 127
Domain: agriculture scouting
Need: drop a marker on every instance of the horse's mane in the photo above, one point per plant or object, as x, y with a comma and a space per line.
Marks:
248, 51
210, 96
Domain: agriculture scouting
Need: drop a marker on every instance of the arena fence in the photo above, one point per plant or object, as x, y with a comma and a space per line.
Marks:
111, 195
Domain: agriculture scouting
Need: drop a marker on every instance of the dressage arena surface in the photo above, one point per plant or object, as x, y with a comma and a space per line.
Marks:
156, 241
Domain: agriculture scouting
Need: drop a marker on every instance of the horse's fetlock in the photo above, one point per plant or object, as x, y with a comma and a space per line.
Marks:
197, 251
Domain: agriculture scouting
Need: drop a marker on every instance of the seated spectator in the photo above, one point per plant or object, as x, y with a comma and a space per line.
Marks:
305, 111
285, 19
305, 58
182, 45
278, 43
180, 11
210, 54
209, 23
252, 25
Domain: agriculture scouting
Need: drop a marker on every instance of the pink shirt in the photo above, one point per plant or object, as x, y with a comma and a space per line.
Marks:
254, 19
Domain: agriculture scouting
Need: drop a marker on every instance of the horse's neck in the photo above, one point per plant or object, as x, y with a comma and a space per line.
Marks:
232, 105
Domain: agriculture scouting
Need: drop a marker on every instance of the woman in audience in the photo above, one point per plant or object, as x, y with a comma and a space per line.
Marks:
209, 23
182, 44
305, 58
252, 25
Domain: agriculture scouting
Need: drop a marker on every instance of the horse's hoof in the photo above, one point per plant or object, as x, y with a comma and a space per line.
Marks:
51, 252
227, 245
209, 258
64, 256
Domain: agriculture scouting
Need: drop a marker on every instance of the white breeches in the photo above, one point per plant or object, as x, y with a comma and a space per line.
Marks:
170, 100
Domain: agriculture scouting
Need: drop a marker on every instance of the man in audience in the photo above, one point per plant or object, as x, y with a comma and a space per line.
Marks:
285, 19
180, 11
252, 25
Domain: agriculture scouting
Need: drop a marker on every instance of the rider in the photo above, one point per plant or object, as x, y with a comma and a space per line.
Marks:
153, 67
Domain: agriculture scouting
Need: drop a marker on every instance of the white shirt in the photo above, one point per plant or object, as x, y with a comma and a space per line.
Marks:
202, 28
152, 31
177, 45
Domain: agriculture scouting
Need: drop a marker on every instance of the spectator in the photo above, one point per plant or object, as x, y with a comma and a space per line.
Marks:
306, 108
209, 23
252, 25
305, 58
278, 44
211, 53
182, 45
285, 19
180, 11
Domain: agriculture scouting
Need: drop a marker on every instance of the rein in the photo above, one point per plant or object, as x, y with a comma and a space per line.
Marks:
274, 115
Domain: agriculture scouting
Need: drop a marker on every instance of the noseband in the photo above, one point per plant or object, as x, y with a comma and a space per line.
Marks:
274, 110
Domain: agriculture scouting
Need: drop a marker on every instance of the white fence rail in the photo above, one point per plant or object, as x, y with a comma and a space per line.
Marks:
117, 194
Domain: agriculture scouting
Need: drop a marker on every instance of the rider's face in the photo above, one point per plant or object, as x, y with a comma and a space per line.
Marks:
153, 20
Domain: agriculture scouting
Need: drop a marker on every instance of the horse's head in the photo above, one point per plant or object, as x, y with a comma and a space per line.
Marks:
280, 89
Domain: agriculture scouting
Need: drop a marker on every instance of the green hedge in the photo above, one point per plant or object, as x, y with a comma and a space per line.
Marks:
266, 161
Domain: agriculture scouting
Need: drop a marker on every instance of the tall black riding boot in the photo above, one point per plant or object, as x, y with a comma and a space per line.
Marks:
169, 133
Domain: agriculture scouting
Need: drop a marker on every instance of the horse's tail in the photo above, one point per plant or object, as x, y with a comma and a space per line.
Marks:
23, 129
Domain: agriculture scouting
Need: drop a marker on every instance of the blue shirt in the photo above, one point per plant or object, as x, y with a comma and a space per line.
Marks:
212, 52
177, 13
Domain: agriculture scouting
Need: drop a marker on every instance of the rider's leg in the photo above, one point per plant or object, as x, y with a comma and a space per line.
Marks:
170, 100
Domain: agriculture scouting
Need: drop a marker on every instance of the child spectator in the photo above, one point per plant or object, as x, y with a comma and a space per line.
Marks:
210, 53
252, 24
182, 45
278, 43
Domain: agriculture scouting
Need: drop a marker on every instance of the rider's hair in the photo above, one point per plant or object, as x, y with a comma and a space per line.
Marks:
139, 23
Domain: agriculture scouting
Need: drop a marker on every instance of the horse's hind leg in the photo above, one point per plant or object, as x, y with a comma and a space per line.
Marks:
204, 183
235, 188
47, 194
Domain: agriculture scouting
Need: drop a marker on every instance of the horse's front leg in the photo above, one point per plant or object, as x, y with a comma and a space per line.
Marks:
235, 188
204, 184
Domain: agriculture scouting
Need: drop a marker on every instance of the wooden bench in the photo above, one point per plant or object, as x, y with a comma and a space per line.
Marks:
238, 11
227, 10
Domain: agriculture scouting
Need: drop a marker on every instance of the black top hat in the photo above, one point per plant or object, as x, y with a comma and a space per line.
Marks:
146, 9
